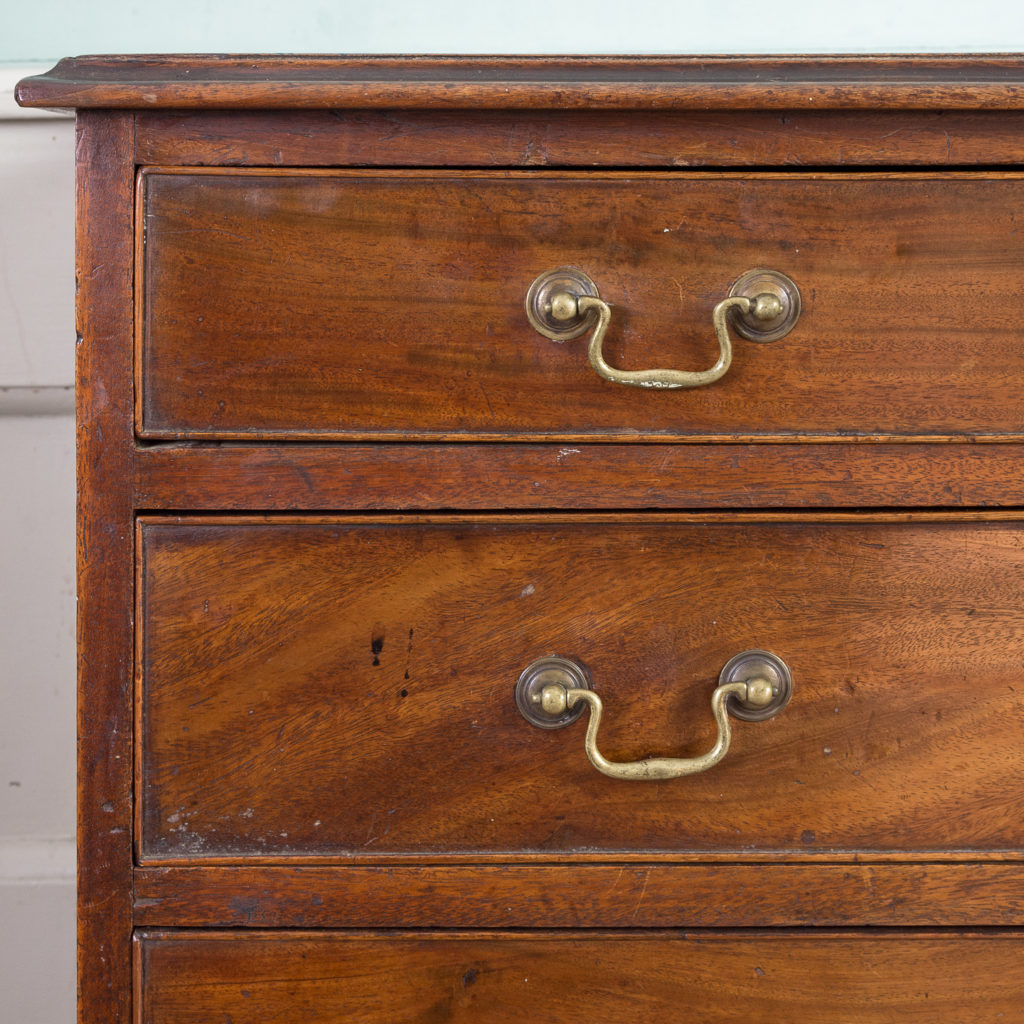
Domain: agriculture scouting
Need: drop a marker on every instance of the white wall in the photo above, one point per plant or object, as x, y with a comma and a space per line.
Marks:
37, 328
37, 607
55, 28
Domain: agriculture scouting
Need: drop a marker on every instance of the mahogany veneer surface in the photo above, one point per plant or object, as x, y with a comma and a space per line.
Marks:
344, 687
649, 978
301, 303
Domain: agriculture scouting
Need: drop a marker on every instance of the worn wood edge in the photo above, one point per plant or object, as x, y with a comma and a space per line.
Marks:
385, 436
138, 977
525, 476
138, 679
598, 896
718, 857
559, 174
155, 933
105, 628
612, 517
850, 82
139, 306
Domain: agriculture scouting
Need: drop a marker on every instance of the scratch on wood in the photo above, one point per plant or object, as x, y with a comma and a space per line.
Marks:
643, 893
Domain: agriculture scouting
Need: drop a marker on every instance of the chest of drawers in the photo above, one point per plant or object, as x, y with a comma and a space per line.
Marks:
381, 513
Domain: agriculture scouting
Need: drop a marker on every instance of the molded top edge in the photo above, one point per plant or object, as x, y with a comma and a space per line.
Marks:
190, 81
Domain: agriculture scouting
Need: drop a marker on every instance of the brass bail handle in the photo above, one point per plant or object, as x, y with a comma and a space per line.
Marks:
763, 305
754, 685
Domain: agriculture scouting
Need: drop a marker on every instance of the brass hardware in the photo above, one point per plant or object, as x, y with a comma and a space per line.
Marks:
754, 685
559, 319
755, 664
776, 306
564, 303
562, 673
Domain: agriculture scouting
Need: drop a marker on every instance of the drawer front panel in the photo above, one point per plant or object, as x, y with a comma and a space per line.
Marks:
340, 688
325, 304
653, 978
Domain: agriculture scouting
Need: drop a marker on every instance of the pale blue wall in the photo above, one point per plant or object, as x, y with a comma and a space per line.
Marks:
47, 29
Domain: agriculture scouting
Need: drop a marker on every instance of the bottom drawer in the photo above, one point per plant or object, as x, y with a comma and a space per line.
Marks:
626, 978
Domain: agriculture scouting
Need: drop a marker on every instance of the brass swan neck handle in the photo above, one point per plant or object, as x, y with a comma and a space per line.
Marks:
564, 303
754, 685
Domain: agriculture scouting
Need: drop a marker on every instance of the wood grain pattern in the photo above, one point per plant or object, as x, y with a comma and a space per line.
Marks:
552, 476
546, 83
391, 306
104, 562
577, 138
344, 688
549, 895
859, 978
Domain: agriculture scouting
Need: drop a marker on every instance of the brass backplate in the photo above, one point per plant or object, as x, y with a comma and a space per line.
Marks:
543, 672
755, 664
570, 280
771, 282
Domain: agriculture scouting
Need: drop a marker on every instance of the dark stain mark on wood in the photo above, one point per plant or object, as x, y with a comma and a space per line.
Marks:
408, 657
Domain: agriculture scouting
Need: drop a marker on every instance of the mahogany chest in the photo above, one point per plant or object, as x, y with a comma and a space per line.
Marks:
551, 539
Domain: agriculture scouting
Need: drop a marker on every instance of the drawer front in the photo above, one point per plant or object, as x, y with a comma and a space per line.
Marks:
327, 304
652, 978
343, 687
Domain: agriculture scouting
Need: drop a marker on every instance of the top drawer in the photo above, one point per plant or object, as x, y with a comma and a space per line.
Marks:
390, 305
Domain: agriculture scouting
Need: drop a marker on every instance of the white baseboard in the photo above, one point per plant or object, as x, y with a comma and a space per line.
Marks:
37, 940
42, 401
37, 861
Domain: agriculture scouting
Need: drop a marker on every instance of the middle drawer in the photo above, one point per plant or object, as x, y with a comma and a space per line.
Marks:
343, 687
